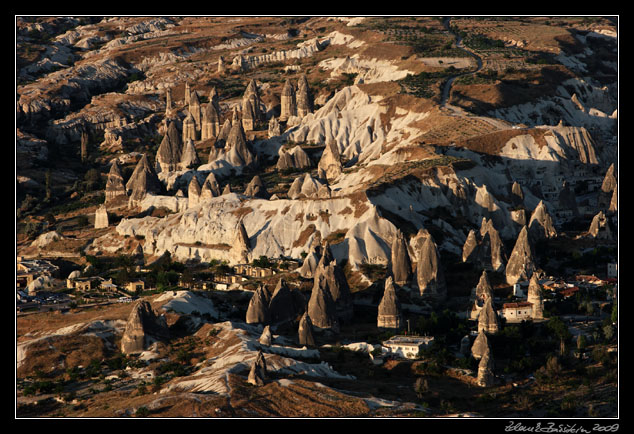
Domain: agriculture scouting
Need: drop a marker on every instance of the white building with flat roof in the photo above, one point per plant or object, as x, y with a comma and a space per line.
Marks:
407, 346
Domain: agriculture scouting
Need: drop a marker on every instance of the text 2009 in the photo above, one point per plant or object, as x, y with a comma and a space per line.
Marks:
606, 428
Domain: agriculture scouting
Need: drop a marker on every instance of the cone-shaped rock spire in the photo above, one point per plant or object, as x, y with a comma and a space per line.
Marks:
389, 315
305, 331
142, 328
400, 263
258, 310
114, 185
430, 277
521, 263
535, 297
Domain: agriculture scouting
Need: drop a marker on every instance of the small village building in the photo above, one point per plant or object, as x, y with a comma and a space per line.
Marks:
108, 286
85, 284
135, 286
517, 312
253, 271
407, 346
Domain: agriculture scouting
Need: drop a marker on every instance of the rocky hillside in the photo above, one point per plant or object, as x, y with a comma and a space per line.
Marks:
235, 139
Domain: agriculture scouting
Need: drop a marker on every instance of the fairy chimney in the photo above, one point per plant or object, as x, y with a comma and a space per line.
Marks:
169, 153
480, 346
142, 181
189, 157
210, 187
142, 328
535, 298
193, 192
541, 224
258, 373
600, 227
329, 166
256, 188
189, 128
241, 246
486, 378
305, 331
114, 185
430, 277
210, 123
488, 318
389, 315
258, 310
400, 263
321, 308
607, 188
288, 104
303, 97
521, 264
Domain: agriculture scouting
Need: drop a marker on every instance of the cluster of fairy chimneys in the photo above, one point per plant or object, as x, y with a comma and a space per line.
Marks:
329, 306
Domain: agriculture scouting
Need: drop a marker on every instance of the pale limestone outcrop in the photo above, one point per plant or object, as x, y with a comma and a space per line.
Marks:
101, 217
189, 157
389, 312
115, 186
305, 331
258, 309
535, 298
541, 224
429, 273
330, 166
288, 104
521, 265
226, 190
400, 263
142, 329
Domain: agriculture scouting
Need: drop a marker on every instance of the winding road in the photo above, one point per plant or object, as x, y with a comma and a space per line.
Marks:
446, 92
447, 89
